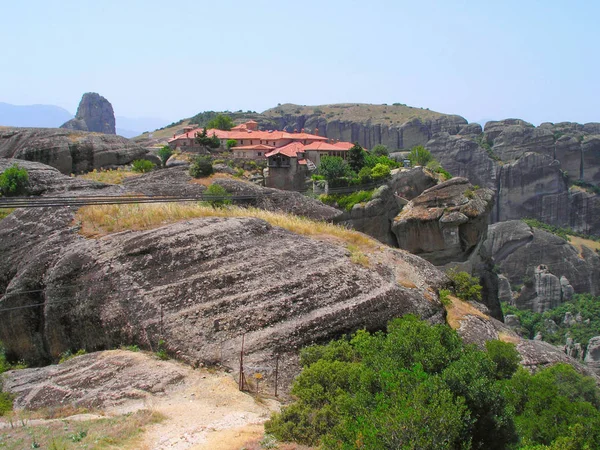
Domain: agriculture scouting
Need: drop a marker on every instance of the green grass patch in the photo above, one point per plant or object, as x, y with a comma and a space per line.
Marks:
5, 212
347, 201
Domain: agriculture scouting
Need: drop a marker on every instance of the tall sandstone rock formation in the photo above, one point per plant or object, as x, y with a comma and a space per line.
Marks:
94, 113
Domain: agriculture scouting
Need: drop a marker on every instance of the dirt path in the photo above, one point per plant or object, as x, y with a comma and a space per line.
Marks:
202, 409
208, 413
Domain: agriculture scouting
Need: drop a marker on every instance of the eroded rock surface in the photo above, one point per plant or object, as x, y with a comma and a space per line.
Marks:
200, 285
70, 151
95, 380
517, 249
445, 223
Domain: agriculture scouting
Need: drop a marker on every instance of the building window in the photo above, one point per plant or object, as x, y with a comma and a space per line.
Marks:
259, 153
241, 142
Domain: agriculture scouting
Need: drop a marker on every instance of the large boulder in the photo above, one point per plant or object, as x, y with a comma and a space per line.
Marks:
445, 223
199, 285
544, 292
513, 138
94, 113
70, 151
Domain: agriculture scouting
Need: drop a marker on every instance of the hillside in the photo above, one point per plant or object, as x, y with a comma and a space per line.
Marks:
337, 121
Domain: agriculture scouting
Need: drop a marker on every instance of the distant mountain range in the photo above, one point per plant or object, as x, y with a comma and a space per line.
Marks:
52, 116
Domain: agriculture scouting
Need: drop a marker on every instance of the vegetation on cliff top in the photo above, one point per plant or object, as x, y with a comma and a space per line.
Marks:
420, 387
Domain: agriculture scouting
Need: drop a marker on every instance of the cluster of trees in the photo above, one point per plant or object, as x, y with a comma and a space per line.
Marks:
359, 168
420, 387
585, 304
207, 141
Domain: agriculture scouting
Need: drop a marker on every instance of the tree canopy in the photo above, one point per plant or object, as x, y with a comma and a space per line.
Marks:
420, 387
221, 122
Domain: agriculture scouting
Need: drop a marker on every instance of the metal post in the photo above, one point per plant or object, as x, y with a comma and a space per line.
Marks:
241, 384
276, 371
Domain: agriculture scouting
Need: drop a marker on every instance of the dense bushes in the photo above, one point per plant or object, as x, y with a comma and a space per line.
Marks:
419, 387
466, 287
585, 304
220, 195
14, 181
201, 166
347, 201
142, 166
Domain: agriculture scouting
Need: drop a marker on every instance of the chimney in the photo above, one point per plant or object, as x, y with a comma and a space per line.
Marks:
174, 136
295, 130
302, 131
317, 131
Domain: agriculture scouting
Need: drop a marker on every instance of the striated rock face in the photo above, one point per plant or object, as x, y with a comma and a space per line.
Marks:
70, 151
532, 186
416, 131
504, 289
463, 157
200, 285
445, 223
543, 293
592, 357
94, 113
517, 249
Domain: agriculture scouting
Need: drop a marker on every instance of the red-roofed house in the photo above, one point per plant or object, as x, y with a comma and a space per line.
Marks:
291, 156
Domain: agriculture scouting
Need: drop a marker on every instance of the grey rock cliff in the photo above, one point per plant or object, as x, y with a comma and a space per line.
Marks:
517, 249
94, 113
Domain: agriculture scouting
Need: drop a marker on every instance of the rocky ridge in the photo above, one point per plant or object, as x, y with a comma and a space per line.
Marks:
70, 151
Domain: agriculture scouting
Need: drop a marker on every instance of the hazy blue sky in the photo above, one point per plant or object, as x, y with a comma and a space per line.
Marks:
537, 60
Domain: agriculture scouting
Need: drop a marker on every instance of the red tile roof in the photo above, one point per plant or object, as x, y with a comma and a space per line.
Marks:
344, 145
324, 147
254, 147
290, 150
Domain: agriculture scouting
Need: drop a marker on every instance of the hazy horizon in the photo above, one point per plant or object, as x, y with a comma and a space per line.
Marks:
530, 60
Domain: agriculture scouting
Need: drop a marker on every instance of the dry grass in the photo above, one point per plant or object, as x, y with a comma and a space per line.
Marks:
5, 212
358, 112
110, 433
457, 310
207, 181
115, 176
579, 243
358, 257
505, 337
407, 284
100, 220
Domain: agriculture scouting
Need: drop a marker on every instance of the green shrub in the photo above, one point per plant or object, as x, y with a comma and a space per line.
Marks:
164, 154
380, 172
419, 156
333, 168
415, 387
505, 356
6, 403
469, 194
239, 173
230, 143
380, 150
222, 196
201, 167
142, 166
466, 287
14, 181
347, 201
445, 297
161, 350
364, 176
